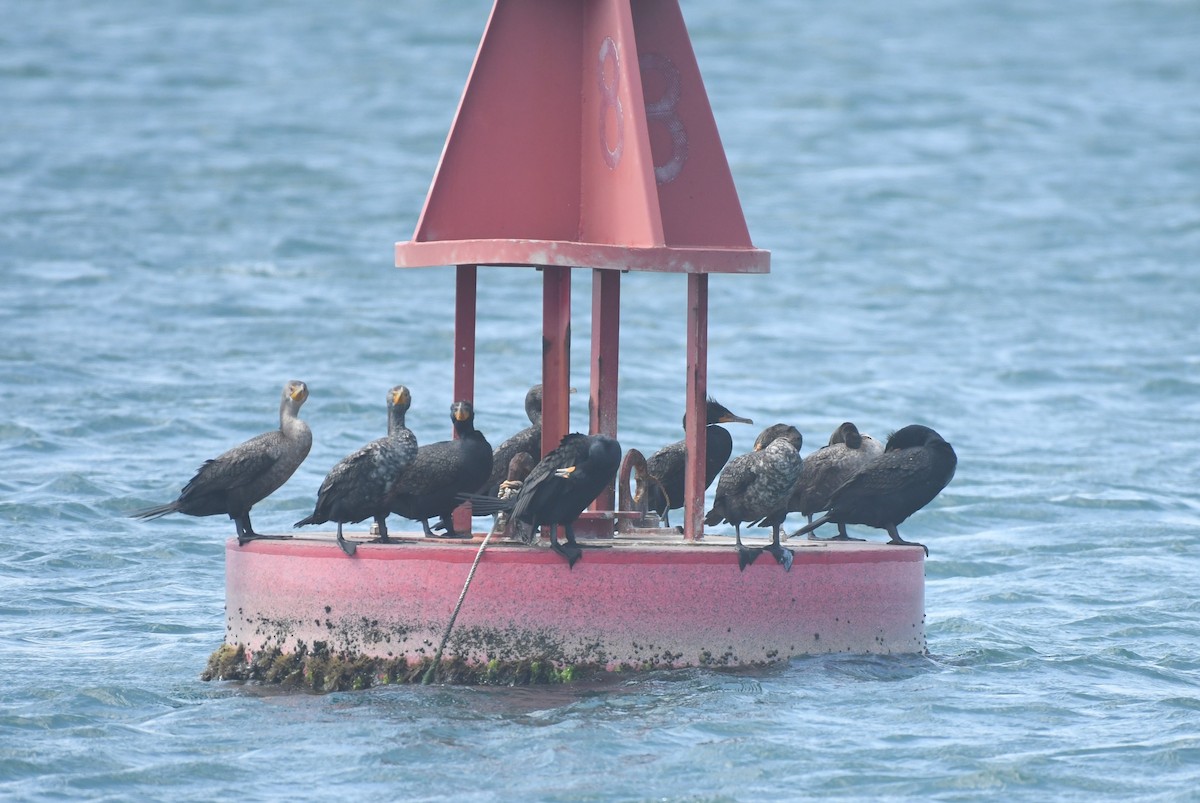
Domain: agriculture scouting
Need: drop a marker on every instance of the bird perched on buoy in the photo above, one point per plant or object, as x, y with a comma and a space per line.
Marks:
527, 440
519, 467
754, 488
827, 468
443, 470
669, 464
248, 473
560, 486
915, 466
362, 485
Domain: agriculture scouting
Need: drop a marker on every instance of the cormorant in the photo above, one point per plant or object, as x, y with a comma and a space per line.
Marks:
443, 470
527, 440
915, 466
560, 486
519, 467
754, 488
362, 485
246, 474
669, 464
827, 468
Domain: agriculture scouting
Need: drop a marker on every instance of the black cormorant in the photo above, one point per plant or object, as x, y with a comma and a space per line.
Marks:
443, 470
361, 485
246, 474
915, 466
754, 487
669, 464
560, 486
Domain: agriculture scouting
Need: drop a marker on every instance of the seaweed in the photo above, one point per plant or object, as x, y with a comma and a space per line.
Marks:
317, 669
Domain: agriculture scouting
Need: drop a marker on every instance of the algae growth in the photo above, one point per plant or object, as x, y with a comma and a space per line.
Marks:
320, 670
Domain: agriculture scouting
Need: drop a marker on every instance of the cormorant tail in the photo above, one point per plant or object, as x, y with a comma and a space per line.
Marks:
812, 525
154, 512
482, 505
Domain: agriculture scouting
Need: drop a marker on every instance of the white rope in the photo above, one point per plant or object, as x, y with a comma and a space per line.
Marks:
437, 659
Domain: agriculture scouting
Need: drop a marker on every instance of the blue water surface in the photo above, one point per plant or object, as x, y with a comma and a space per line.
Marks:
983, 217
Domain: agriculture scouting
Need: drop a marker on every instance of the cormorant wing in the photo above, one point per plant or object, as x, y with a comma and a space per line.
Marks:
906, 471
543, 480
237, 467
739, 475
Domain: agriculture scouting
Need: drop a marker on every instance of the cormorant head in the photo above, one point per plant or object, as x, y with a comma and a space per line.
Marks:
462, 412
786, 431
717, 413
297, 391
533, 403
912, 436
848, 434
399, 396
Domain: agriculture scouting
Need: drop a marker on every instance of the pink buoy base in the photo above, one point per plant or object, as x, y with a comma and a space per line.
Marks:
629, 603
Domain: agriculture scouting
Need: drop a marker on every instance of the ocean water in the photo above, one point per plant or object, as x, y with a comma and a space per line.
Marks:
983, 217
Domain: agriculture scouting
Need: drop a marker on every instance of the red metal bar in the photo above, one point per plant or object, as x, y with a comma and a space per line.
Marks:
536, 253
556, 355
464, 333
697, 390
465, 287
606, 343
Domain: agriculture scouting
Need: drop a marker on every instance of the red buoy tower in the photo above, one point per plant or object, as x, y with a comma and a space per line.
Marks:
583, 141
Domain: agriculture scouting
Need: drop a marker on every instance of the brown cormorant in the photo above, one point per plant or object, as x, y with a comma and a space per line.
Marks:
915, 466
362, 485
527, 440
560, 486
754, 488
827, 468
519, 467
246, 474
669, 464
443, 470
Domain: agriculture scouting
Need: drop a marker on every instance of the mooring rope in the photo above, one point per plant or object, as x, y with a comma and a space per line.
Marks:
431, 673
508, 489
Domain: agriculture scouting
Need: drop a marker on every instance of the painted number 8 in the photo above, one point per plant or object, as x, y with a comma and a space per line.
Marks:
665, 111
610, 102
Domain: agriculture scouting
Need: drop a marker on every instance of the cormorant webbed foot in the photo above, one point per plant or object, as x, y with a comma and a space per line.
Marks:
569, 551
838, 537
783, 556
747, 555
381, 528
446, 527
346, 546
898, 541
248, 537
